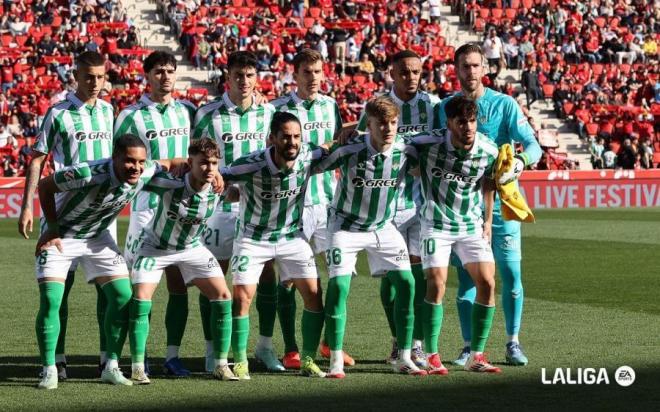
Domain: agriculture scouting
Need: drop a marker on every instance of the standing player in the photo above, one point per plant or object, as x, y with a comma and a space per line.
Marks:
321, 120
371, 167
163, 123
173, 238
272, 184
499, 118
456, 166
78, 129
239, 126
415, 116
77, 229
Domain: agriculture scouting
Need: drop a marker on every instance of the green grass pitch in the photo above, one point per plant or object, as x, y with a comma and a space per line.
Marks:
591, 280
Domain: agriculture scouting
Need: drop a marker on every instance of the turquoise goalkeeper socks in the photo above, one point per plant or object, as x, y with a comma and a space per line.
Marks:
465, 296
512, 295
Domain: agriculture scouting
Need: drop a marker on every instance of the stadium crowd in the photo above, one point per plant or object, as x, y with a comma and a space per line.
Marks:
596, 61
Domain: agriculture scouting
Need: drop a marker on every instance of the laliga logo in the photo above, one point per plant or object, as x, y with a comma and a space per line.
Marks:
154, 134
624, 376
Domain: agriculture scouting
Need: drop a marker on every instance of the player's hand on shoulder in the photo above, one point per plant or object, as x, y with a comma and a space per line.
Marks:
218, 183
259, 98
232, 194
180, 169
347, 133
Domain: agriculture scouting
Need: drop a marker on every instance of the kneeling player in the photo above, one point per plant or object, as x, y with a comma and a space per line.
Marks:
456, 167
77, 222
372, 167
173, 239
272, 185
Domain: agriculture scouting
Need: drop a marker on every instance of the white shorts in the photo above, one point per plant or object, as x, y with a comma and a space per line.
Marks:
112, 228
294, 259
386, 251
219, 234
98, 256
194, 263
437, 247
315, 228
139, 220
407, 223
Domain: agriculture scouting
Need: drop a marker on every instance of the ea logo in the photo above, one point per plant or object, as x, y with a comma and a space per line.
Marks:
624, 376
151, 134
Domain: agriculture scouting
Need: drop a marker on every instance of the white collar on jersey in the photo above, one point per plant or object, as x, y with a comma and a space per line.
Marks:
300, 100
231, 106
373, 152
453, 149
71, 96
147, 100
400, 102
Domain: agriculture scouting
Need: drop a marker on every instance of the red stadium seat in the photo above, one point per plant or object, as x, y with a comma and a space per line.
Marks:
528, 4
497, 13
515, 4
484, 13
656, 159
314, 12
237, 3
479, 25
510, 13
6, 39
308, 22
548, 90
597, 69
625, 68
568, 108
592, 129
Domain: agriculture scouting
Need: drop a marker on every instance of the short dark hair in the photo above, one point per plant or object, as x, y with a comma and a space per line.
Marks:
467, 49
158, 58
404, 54
280, 119
461, 106
306, 56
89, 59
206, 146
241, 59
123, 142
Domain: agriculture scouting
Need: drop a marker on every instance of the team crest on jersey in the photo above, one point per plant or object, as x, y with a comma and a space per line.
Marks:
361, 166
482, 119
213, 263
476, 162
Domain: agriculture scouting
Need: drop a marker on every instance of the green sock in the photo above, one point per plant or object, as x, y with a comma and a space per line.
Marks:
335, 310
404, 307
312, 325
482, 320
221, 322
64, 313
176, 316
432, 314
139, 328
286, 311
239, 337
118, 293
266, 307
205, 312
101, 306
420, 292
387, 294
48, 321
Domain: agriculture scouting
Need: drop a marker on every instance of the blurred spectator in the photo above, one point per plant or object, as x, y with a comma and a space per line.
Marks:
4, 135
14, 127
646, 153
596, 150
531, 85
627, 156
512, 53
609, 158
494, 50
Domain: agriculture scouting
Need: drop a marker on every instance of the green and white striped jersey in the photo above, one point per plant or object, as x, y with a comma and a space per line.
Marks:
165, 130
92, 197
416, 117
237, 132
320, 120
75, 132
452, 180
365, 199
272, 200
180, 219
